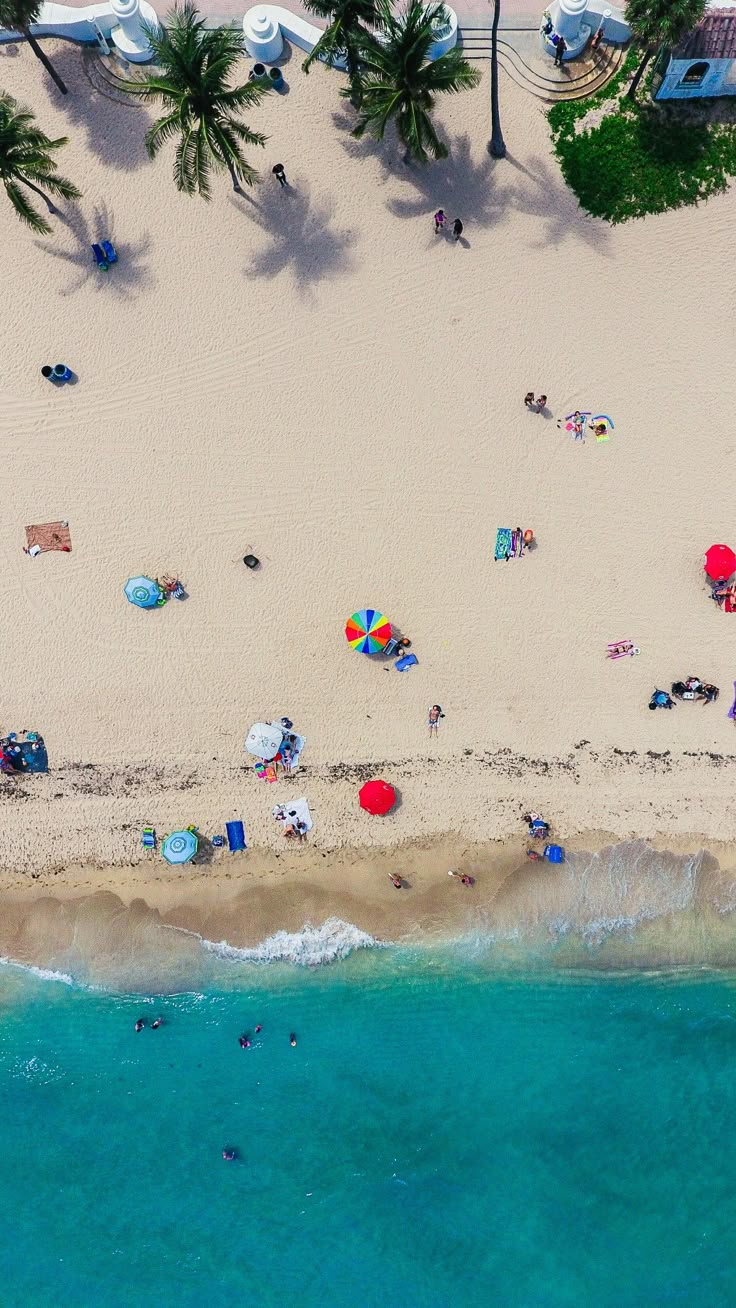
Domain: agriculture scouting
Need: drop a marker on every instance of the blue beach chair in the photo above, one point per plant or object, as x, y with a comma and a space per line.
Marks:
148, 838
111, 253
100, 257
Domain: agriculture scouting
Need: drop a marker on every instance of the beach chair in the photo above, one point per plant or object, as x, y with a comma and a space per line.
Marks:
111, 253
390, 647
148, 838
100, 258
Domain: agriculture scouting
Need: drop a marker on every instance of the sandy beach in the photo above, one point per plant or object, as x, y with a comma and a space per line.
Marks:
314, 376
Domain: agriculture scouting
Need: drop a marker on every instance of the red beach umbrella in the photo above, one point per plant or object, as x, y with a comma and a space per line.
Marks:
377, 797
720, 563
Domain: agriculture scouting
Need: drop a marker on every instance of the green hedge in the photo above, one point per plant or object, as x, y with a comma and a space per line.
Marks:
643, 157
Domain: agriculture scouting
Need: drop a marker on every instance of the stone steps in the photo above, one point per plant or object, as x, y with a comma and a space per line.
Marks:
108, 75
595, 70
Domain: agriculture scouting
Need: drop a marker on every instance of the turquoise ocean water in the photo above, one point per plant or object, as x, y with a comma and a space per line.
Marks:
443, 1134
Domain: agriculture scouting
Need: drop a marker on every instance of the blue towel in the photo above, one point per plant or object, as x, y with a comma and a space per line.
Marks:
402, 664
235, 836
504, 544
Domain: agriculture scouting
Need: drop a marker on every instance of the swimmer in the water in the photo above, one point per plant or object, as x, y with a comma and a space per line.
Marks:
155, 1025
244, 1041
229, 1155
258, 1030
292, 1040
140, 1024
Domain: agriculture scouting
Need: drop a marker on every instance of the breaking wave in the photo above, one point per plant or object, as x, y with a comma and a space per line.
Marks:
311, 947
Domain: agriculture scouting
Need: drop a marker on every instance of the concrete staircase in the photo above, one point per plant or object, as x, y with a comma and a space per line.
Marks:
522, 59
108, 75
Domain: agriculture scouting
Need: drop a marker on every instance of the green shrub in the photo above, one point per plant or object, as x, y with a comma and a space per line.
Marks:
642, 157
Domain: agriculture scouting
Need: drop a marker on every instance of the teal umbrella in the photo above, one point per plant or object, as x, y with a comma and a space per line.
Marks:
143, 592
180, 846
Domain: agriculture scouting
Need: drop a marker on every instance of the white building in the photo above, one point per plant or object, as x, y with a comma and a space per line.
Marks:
704, 63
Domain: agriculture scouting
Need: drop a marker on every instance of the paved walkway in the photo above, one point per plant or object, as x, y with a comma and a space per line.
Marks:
471, 13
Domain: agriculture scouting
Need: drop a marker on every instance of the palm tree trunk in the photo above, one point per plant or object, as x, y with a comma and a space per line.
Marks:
42, 194
498, 145
33, 43
631, 93
234, 178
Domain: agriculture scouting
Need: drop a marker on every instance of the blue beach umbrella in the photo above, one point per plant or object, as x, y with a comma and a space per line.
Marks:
143, 592
180, 846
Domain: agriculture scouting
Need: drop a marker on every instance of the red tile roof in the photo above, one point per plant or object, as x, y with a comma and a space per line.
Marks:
713, 38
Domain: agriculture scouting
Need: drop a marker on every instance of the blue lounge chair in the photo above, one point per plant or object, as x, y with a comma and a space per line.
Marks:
110, 251
100, 258
148, 838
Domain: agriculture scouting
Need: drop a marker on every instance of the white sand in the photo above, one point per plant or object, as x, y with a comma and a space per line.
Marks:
315, 376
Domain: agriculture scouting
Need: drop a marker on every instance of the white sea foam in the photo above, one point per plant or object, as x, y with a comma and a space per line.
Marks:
310, 947
43, 973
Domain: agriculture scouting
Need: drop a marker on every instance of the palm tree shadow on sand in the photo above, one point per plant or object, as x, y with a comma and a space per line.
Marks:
122, 278
114, 129
301, 237
480, 190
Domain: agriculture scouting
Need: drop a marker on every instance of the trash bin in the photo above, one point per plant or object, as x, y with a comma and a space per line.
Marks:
47, 371
61, 372
276, 78
235, 836
258, 73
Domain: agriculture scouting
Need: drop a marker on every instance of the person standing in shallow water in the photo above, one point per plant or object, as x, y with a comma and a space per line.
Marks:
457, 229
439, 220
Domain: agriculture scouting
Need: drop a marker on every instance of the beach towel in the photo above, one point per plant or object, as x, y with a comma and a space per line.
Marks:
298, 746
48, 536
265, 772
408, 661
297, 810
504, 544
732, 710
729, 604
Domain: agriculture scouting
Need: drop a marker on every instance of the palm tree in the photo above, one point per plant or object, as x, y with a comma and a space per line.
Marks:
658, 23
25, 159
399, 83
348, 21
498, 145
18, 15
191, 81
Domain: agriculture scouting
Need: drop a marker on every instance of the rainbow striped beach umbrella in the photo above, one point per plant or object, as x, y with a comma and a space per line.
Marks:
367, 631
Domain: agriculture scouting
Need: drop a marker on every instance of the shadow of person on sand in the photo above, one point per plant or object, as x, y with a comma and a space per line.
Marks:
301, 238
114, 128
123, 277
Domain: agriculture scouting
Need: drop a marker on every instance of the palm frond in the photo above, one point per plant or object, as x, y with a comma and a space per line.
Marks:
25, 209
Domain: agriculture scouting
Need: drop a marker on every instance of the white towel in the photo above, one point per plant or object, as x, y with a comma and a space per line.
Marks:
299, 743
297, 810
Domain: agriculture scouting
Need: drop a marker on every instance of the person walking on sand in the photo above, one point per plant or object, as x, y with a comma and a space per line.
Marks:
457, 229
541, 403
279, 174
560, 49
529, 399
440, 219
433, 719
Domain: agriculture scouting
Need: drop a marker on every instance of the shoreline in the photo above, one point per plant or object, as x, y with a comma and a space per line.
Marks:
613, 904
